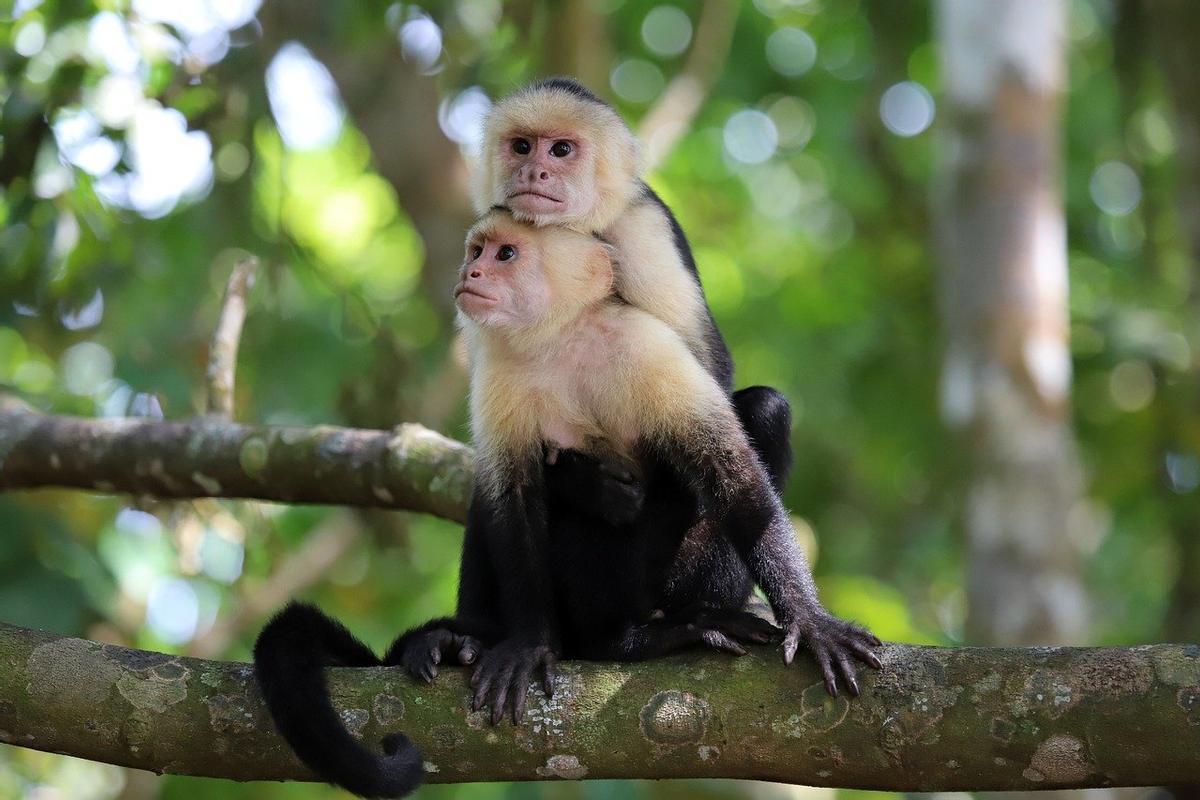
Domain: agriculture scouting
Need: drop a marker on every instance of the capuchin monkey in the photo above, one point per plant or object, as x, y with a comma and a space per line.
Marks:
560, 365
562, 368
556, 154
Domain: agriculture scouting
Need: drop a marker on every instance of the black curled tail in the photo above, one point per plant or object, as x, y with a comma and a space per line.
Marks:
290, 658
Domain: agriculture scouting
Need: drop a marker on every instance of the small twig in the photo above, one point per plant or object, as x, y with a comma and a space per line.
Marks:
325, 544
222, 353
671, 117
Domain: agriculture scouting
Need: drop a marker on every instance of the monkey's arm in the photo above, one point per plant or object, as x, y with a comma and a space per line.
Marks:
512, 521
736, 495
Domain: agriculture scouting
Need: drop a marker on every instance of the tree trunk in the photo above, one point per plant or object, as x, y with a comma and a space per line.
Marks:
1007, 371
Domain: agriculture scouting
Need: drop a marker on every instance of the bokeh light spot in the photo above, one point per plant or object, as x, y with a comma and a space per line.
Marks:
750, 136
304, 99
906, 108
637, 80
1115, 188
667, 31
791, 51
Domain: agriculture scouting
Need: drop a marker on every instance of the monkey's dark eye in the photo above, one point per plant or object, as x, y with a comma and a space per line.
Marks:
560, 149
476, 251
506, 253
521, 147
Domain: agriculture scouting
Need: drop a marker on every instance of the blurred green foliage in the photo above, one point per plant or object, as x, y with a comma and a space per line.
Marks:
142, 153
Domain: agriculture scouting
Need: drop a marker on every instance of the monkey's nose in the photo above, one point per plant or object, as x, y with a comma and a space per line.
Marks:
475, 274
543, 176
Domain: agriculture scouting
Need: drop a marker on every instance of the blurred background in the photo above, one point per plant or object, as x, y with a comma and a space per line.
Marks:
888, 202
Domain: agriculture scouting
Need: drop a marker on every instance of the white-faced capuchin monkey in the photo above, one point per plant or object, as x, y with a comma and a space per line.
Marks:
556, 154
560, 364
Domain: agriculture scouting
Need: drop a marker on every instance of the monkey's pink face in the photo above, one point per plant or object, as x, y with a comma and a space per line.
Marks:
501, 283
546, 178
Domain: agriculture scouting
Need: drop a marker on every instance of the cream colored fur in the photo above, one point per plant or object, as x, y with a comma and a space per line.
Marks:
597, 377
651, 275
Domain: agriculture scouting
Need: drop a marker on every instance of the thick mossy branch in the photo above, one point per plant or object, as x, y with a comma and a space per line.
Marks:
410, 467
933, 719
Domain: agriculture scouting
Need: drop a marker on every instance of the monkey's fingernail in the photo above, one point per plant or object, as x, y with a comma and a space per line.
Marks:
875, 662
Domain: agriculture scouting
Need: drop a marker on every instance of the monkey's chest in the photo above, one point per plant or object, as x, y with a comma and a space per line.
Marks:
569, 417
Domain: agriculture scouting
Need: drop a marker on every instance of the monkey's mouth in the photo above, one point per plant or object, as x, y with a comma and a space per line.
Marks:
459, 291
516, 195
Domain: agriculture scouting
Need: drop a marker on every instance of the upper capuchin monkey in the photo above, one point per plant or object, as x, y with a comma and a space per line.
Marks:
556, 154
560, 365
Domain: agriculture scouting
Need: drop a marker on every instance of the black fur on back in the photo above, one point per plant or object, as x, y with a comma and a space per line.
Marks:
566, 84
290, 658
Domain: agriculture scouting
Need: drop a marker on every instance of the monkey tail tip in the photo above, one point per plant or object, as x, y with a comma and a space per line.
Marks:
399, 771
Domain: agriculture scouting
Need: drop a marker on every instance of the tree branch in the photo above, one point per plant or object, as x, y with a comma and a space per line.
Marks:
933, 719
672, 115
410, 467
222, 353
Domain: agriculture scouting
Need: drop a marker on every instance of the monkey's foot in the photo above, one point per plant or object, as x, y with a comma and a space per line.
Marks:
832, 641
739, 625
502, 676
421, 651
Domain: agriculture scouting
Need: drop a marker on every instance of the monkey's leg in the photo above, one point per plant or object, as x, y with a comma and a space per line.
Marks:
656, 638
766, 417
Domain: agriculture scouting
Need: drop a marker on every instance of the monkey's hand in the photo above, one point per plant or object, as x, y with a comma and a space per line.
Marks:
421, 651
503, 675
832, 641
603, 488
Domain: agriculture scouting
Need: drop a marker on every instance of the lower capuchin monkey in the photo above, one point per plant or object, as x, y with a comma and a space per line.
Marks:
562, 371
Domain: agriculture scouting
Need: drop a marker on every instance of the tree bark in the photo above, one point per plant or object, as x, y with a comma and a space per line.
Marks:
410, 468
933, 719
1007, 372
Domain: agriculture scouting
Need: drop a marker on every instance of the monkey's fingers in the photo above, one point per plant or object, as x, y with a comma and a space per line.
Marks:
863, 653
469, 649
719, 641
747, 627
498, 698
791, 642
821, 654
848, 673
549, 668
481, 679
524, 676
